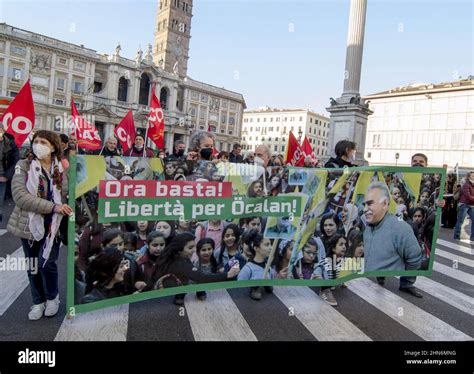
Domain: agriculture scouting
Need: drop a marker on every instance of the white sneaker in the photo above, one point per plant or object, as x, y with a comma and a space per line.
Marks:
36, 312
328, 297
52, 307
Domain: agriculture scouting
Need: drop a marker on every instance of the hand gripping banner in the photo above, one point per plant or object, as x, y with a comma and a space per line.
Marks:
144, 228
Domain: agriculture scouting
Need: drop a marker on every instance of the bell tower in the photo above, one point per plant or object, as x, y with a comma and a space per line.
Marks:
172, 36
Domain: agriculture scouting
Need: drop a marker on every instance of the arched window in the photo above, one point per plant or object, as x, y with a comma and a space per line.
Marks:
144, 97
122, 89
164, 98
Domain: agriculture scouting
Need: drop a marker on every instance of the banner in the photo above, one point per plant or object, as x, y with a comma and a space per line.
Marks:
146, 229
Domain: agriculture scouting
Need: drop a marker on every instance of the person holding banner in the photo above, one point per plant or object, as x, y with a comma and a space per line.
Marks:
40, 189
139, 149
9, 156
110, 148
345, 155
466, 206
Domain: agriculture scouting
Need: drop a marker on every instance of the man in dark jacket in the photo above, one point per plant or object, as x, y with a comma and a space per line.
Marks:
178, 152
345, 154
235, 156
9, 156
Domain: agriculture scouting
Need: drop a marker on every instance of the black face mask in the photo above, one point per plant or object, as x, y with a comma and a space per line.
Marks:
206, 153
180, 153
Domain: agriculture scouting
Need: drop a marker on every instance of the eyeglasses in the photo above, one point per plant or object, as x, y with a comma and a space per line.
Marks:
312, 254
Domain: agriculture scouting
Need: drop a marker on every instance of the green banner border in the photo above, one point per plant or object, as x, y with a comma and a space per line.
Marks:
72, 309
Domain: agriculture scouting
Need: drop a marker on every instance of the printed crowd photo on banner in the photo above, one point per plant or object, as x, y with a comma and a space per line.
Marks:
151, 227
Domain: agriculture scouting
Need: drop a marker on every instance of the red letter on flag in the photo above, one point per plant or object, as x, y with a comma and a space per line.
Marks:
156, 123
294, 154
125, 132
19, 118
87, 135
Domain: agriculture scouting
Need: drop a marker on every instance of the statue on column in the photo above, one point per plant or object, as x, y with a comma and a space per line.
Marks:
139, 55
118, 48
176, 68
149, 52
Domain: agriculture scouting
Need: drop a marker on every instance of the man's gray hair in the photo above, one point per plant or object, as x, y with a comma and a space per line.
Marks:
198, 136
382, 187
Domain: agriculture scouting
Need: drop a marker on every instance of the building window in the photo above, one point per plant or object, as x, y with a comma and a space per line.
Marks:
194, 95
369, 154
275, 148
78, 65
251, 120
285, 119
223, 118
231, 119
19, 50
144, 94
282, 148
204, 98
60, 84
62, 61
251, 128
264, 120
301, 119
122, 89
16, 74
271, 119
276, 139
292, 119
97, 87
78, 87
58, 102
472, 141
258, 119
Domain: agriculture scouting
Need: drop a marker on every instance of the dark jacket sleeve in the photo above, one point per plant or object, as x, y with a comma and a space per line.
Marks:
187, 272
13, 156
466, 190
84, 244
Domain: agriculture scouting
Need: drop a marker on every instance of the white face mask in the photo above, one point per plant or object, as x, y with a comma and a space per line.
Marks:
41, 150
258, 161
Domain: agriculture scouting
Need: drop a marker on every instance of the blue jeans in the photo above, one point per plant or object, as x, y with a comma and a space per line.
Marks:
464, 209
43, 284
3, 188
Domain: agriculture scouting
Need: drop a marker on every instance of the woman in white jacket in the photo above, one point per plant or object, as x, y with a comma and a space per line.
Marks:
39, 188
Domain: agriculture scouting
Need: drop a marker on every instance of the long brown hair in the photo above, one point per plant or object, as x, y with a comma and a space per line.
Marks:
51, 137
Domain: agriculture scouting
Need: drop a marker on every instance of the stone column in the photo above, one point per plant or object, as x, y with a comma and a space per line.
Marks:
355, 47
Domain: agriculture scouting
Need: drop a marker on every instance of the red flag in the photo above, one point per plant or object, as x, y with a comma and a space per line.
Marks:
19, 118
156, 123
86, 133
215, 152
125, 132
209, 128
307, 149
294, 153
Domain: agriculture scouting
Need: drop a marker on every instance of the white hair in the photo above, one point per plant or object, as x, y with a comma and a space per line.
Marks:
382, 187
198, 137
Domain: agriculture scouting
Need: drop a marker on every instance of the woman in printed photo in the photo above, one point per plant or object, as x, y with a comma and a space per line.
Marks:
230, 249
281, 260
174, 267
105, 276
155, 245
311, 263
205, 262
259, 248
256, 189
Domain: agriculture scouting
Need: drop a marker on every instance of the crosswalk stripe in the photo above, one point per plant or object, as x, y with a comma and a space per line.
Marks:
320, 319
457, 247
421, 323
454, 273
449, 295
109, 324
13, 283
452, 256
217, 318
2, 231
467, 241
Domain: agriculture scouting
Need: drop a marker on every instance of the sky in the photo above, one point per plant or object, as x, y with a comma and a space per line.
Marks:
281, 54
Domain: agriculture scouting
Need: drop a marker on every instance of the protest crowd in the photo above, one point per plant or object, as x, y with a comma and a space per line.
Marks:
125, 258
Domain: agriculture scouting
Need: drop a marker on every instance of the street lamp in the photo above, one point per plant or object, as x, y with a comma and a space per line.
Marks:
300, 134
397, 156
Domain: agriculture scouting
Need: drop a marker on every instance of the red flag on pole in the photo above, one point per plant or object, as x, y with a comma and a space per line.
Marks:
19, 118
156, 122
125, 132
294, 154
308, 150
86, 133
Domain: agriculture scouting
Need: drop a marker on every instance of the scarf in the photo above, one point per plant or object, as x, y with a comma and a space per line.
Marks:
36, 221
